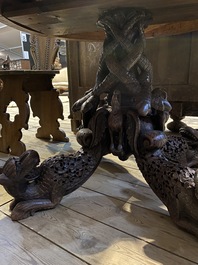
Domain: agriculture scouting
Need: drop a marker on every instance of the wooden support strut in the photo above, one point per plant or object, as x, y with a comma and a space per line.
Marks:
156, 30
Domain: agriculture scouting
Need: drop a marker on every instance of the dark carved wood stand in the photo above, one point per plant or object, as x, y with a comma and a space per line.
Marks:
123, 115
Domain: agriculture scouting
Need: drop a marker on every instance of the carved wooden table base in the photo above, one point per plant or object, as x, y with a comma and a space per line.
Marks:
45, 104
122, 115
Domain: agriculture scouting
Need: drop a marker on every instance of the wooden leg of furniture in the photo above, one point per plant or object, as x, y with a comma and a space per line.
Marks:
47, 106
11, 130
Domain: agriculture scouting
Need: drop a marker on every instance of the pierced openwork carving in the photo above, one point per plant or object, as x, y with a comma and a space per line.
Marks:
123, 115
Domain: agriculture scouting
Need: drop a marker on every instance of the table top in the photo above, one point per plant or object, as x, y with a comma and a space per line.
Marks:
73, 19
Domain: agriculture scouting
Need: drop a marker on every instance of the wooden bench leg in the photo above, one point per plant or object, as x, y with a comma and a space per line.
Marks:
47, 106
11, 130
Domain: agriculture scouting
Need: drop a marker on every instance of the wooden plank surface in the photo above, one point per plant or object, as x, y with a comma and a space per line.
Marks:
133, 220
95, 242
140, 195
4, 196
20, 246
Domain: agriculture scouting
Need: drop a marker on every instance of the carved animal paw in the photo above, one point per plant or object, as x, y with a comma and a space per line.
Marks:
18, 213
24, 209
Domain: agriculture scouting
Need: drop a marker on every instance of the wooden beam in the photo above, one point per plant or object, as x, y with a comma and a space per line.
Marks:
154, 30
174, 28
158, 30
86, 36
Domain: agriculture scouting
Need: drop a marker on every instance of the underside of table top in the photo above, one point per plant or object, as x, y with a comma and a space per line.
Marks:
76, 19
